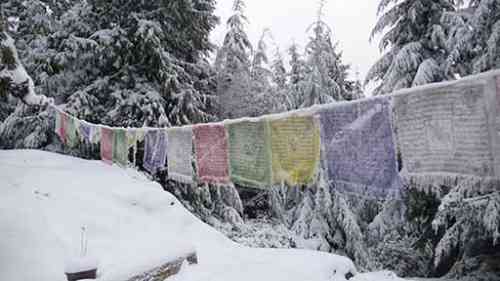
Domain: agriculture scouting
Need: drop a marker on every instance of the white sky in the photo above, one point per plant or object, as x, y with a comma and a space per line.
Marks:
350, 20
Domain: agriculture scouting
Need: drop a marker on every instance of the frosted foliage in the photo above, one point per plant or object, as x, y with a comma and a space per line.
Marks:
234, 67
472, 37
413, 41
13, 76
391, 213
264, 93
83, 59
473, 216
326, 74
297, 79
320, 219
427, 70
26, 127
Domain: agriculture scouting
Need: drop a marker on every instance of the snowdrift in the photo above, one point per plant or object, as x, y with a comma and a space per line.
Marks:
132, 225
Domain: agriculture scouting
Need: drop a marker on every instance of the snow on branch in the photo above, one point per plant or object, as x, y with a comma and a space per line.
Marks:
13, 76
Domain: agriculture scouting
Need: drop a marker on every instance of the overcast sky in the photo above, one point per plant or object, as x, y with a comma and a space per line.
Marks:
351, 21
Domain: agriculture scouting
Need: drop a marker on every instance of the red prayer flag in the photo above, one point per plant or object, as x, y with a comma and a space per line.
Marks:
62, 129
107, 136
211, 147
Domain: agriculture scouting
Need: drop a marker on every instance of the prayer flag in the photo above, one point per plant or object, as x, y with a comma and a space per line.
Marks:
210, 142
445, 129
180, 151
72, 131
295, 146
358, 146
120, 147
107, 145
250, 153
155, 150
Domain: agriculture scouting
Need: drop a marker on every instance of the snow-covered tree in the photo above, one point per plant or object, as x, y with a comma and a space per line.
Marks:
14, 79
265, 91
15, 82
297, 77
473, 34
260, 71
280, 82
467, 219
234, 67
278, 70
326, 79
112, 66
413, 44
358, 88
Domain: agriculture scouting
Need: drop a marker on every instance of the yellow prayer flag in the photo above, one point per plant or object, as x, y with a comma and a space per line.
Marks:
295, 145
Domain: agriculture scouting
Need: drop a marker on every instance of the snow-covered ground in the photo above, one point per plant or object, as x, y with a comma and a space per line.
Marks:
132, 225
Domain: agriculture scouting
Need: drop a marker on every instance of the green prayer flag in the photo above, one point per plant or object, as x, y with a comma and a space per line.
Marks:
71, 132
250, 153
120, 147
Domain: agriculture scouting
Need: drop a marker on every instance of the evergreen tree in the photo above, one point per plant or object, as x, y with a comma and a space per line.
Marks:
260, 72
233, 67
413, 43
358, 88
280, 83
296, 77
109, 65
279, 70
326, 74
261, 75
473, 34
115, 67
14, 79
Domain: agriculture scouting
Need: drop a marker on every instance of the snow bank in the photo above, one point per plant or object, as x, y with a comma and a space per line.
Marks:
132, 225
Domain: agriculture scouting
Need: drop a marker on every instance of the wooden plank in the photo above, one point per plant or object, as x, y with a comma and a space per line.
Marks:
166, 270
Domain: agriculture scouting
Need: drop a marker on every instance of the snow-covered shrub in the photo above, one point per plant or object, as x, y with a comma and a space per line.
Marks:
26, 127
468, 217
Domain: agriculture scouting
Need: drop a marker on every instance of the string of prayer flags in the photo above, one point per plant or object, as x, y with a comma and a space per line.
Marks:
295, 143
445, 128
358, 147
179, 151
107, 139
211, 148
250, 153
120, 147
155, 150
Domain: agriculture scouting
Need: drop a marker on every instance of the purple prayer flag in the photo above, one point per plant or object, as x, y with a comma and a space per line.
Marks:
155, 150
359, 150
85, 131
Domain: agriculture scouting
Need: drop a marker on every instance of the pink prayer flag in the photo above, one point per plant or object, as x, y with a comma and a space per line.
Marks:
63, 125
107, 145
211, 147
